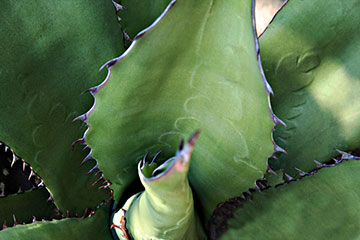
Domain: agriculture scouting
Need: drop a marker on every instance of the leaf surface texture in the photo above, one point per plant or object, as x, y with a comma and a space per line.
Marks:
322, 206
192, 70
311, 55
50, 53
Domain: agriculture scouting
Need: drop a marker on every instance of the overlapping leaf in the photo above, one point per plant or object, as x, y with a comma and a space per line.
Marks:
94, 227
50, 53
311, 56
322, 206
25, 206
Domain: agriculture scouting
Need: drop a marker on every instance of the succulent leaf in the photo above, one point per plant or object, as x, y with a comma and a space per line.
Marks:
50, 53
320, 206
311, 56
165, 210
23, 207
94, 227
191, 70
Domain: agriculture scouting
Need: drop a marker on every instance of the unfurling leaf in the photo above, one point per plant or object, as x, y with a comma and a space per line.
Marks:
165, 210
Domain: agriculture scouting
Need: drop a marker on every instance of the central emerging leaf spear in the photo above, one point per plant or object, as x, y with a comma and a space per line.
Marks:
165, 210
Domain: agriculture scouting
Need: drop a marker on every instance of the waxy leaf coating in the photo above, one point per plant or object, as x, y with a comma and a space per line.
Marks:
191, 70
165, 210
311, 57
322, 206
94, 227
50, 53
23, 207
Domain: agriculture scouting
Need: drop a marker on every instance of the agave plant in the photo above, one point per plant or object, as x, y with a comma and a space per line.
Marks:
186, 70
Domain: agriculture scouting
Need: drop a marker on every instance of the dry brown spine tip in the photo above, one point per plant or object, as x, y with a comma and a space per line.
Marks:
98, 180
194, 138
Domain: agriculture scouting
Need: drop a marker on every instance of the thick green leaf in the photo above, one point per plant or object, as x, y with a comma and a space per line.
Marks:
322, 206
311, 57
165, 210
25, 206
51, 52
192, 70
95, 227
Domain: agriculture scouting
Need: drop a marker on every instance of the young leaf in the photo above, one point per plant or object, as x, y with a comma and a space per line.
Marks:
165, 210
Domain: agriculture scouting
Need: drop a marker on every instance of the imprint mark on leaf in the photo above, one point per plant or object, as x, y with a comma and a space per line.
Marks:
187, 124
308, 62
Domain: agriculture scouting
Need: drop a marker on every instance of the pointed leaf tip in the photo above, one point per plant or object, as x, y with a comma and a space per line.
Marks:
194, 138
178, 162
